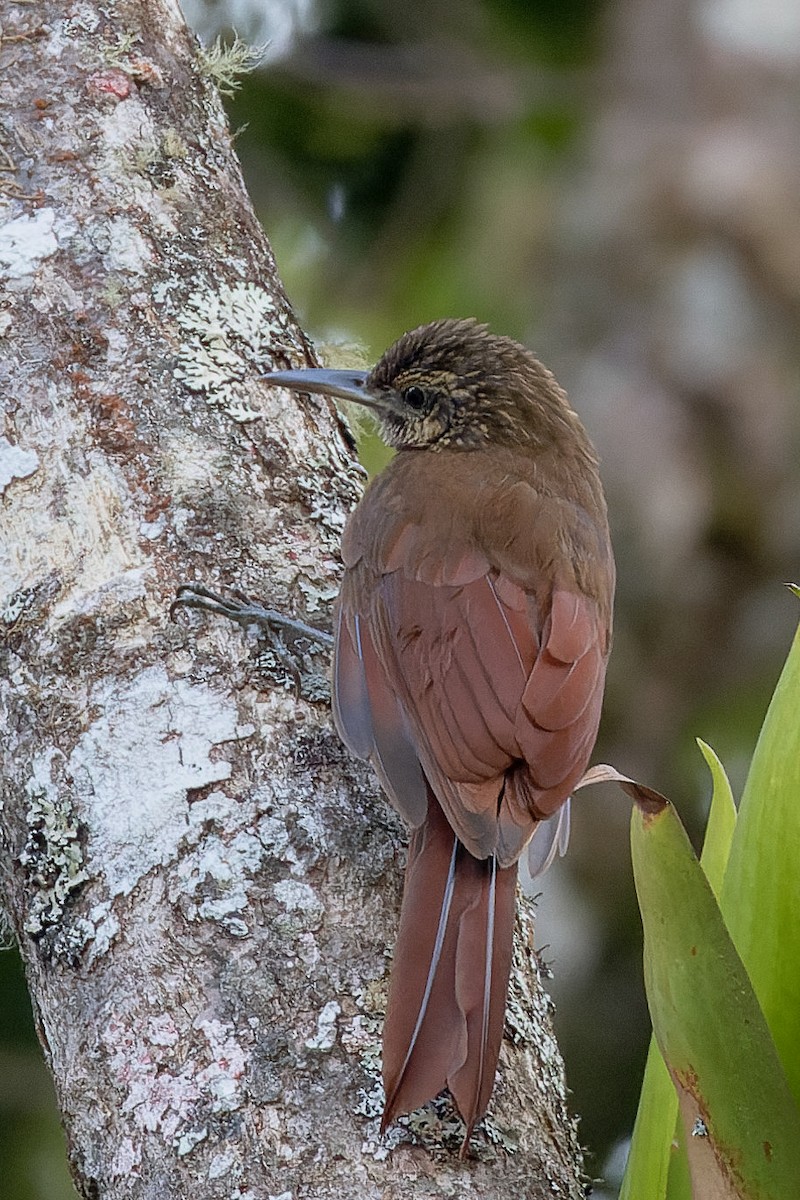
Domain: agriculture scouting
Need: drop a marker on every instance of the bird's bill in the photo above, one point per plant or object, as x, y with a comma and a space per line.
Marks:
346, 385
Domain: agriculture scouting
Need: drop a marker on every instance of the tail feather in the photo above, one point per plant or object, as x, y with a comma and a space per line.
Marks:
550, 837
434, 963
444, 1022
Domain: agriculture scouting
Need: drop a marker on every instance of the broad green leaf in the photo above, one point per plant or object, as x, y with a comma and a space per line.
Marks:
651, 1172
761, 893
709, 1027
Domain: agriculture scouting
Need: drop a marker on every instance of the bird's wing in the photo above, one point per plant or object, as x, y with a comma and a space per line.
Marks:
494, 689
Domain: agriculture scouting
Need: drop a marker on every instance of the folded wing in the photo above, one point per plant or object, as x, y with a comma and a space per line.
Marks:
463, 676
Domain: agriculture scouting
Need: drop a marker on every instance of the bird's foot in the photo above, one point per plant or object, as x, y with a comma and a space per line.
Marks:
246, 612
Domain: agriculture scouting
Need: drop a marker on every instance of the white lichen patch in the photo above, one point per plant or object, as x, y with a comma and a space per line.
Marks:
82, 543
127, 250
330, 511
25, 241
127, 1159
302, 902
189, 464
15, 463
131, 145
318, 598
325, 1037
117, 591
52, 856
151, 740
224, 869
152, 530
99, 929
156, 1097
82, 18
214, 873
221, 1079
230, 333
361, 1035
186, 1142
16, 605
221, 1164
371, 1101
504, 1138
161, 1097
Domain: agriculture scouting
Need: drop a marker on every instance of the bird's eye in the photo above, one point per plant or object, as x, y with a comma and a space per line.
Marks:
415, 397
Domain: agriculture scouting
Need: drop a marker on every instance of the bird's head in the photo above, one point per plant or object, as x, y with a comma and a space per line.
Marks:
451, 384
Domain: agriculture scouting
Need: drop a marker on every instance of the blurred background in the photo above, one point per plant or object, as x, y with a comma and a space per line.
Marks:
617, 185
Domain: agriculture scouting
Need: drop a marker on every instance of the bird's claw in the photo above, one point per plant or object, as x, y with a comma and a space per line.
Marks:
244, 611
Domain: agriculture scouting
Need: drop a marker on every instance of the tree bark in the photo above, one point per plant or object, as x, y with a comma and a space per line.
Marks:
203, 884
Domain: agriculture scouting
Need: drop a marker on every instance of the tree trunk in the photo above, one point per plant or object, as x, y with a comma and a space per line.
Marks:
203, 884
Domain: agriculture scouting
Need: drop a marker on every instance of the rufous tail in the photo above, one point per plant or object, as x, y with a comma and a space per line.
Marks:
447, 997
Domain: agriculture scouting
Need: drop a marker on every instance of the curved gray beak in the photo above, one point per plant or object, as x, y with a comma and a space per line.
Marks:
347, 385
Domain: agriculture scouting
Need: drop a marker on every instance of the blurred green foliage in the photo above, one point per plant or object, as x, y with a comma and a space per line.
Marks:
397, 159
32, 1155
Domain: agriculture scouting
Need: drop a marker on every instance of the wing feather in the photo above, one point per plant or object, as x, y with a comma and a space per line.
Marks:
351, 701
372, 723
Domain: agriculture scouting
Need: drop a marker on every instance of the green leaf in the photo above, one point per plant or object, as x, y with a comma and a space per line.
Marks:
679, 1184
761, 893
721, 822
711, 1032
647, 1168
651, 1172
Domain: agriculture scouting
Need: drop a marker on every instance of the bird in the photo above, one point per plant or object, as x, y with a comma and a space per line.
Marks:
472, 632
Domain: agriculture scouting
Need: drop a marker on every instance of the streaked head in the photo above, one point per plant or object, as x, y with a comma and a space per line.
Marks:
451, 384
